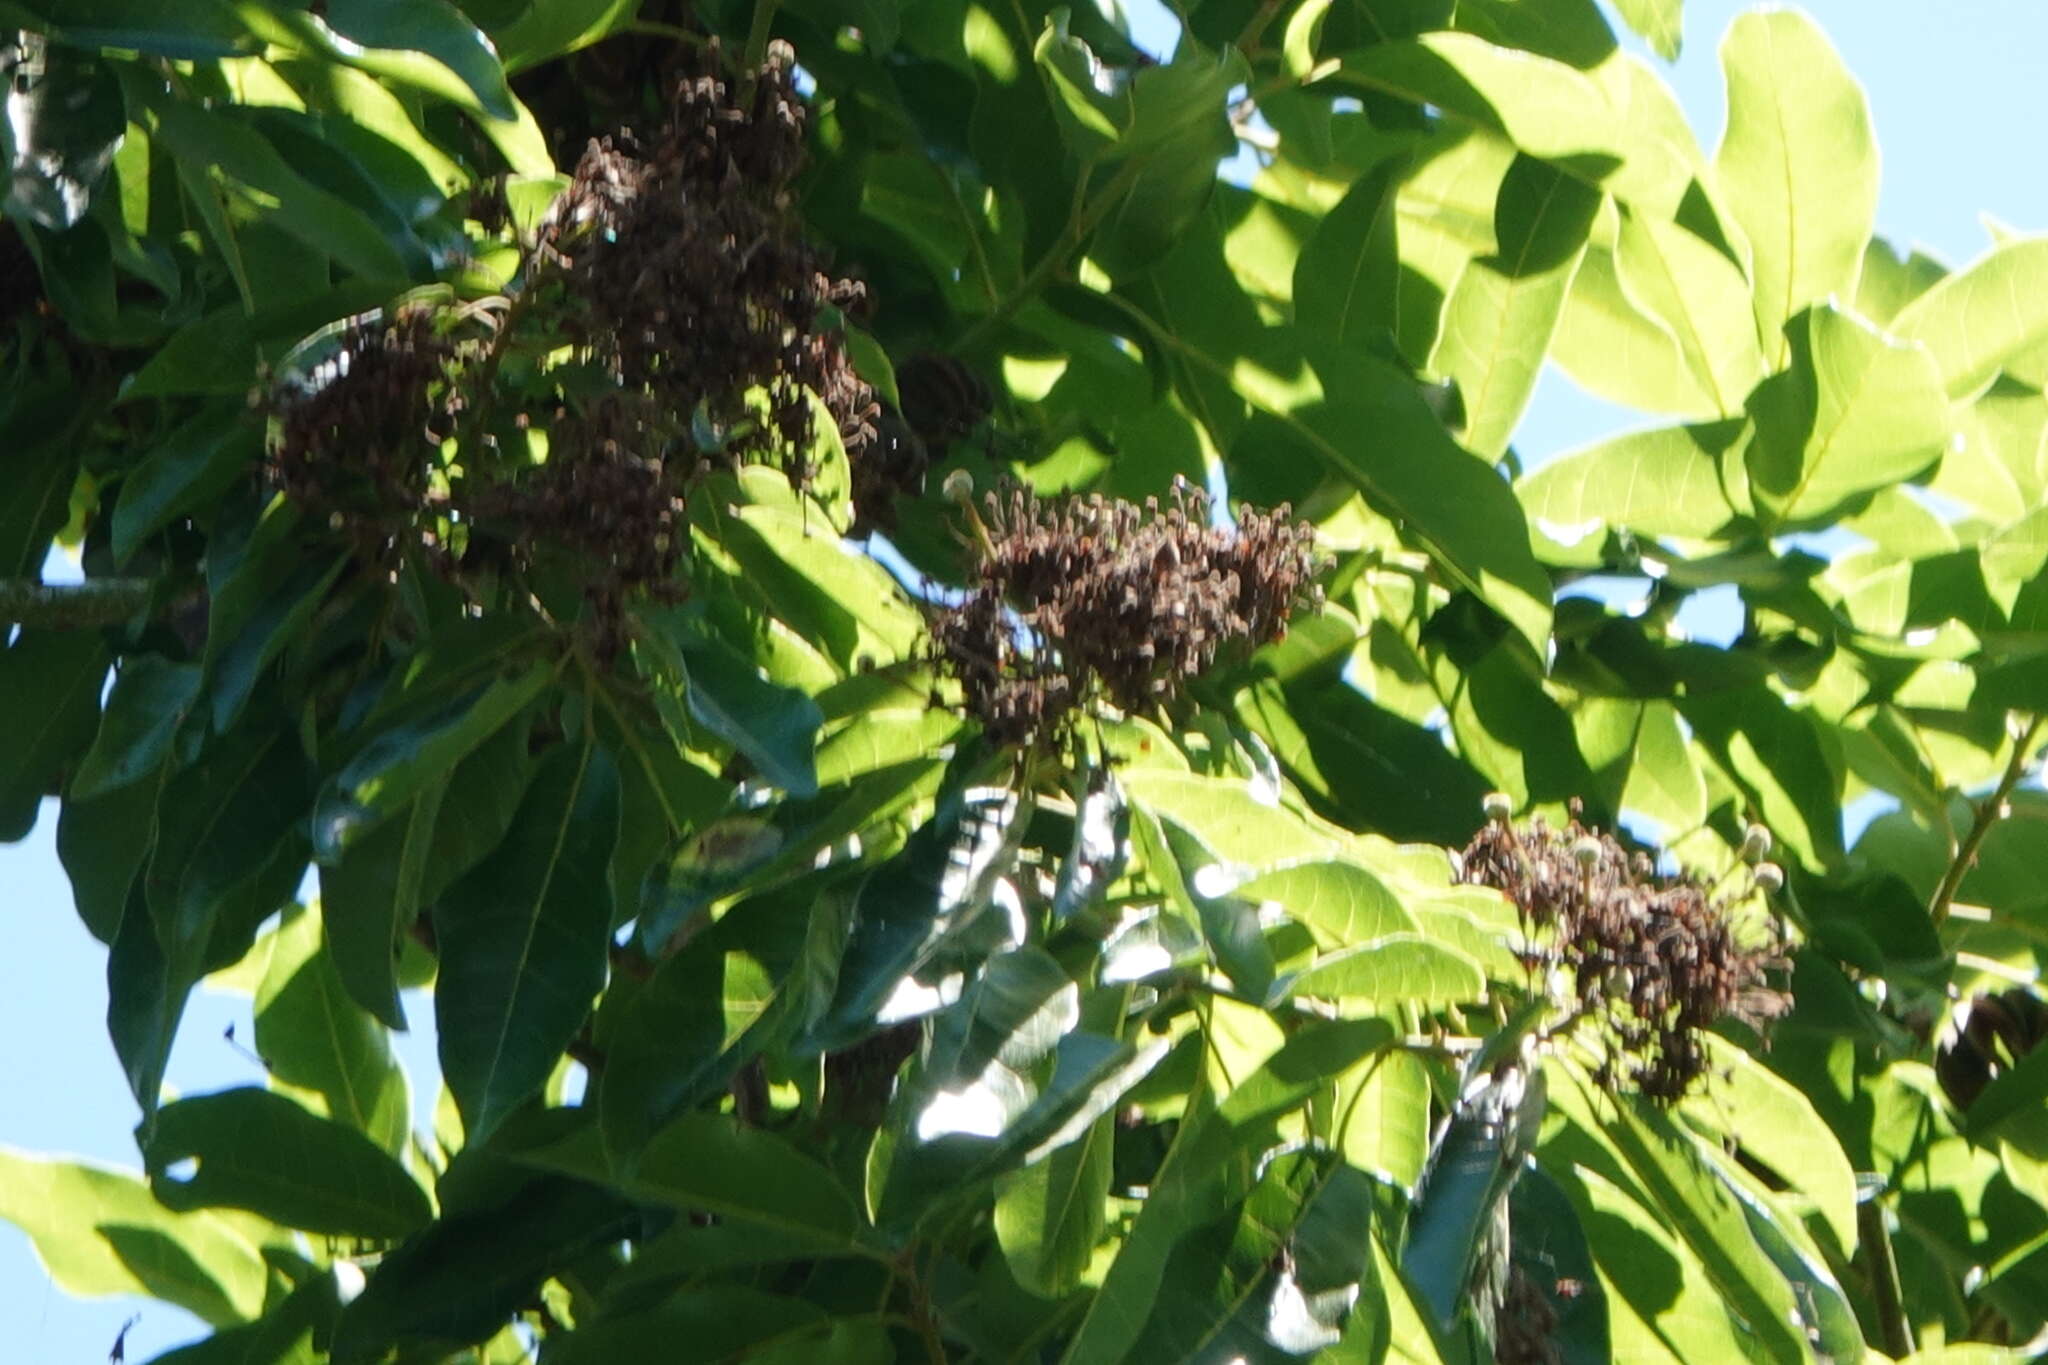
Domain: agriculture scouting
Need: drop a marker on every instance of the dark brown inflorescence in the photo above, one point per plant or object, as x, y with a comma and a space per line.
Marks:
681, 278
1086, 597
696, 281
1657, 958
358, 433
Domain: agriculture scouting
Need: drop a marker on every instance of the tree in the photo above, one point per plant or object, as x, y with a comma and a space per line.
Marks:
1191, 935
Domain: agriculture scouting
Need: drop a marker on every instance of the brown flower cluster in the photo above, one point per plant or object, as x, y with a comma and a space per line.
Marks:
1085, 597
1655, 957
696, 282
358, 434
684, 284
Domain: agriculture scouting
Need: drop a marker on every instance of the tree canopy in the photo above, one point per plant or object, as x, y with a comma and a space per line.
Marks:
985, 742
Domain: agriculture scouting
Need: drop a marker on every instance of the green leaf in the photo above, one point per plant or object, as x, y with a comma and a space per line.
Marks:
717, 1001
312, 1036
103, 844
203, 29
1612, 347
259, 1151
1233, 821
1700, 296
1050, 1215
1855, 412
148, 705
400, 761
1977, 319
1656, 22
1499, 320
428, 44
1797, 166
42, 470
1383, 1117
715, 1163
101, 1231
189, 469
1272, 1280
544, 31
1775, 755
730, 1322
1211, 1166
1347, 279
225, 143
775, 726
1364, 765
1341, 902
1462, 1196
1700, 1209
460, 1279
523, 940
1551, 1251
371, 897
50, 682
936, 895
1386, 970
1776, 1125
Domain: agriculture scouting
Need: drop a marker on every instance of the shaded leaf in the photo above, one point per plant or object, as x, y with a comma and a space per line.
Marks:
259, 1151
523, 940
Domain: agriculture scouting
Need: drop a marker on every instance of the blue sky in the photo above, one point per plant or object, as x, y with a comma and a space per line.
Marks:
1959, 103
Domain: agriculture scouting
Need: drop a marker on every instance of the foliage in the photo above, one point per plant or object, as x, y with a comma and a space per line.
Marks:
463, 486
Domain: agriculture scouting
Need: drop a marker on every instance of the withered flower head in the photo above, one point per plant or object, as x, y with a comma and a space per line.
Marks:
1084, 597
1654, 957
695, 279
357, 436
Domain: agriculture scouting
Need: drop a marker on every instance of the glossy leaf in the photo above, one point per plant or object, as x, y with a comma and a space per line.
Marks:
397, 764
259, 1151
370, 899
52, 680
312, 1036
523, 939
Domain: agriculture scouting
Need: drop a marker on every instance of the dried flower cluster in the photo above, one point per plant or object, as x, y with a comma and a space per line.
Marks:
1656, 958
359, 433
1085, 597
695, 279
684, 285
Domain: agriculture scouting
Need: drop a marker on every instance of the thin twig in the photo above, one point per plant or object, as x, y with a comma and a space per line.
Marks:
1989, 812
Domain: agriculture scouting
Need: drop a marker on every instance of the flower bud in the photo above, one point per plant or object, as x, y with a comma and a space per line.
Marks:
958, 487
1756, 844
1499, 806
1769, 877
1586, 852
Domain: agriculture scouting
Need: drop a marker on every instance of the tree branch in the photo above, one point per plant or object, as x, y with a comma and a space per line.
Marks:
72, 606
1989, 812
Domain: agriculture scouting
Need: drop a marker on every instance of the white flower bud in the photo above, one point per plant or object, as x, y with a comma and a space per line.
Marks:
1499, 806
1769, 877
959, 487
1586, 852
1756, 844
